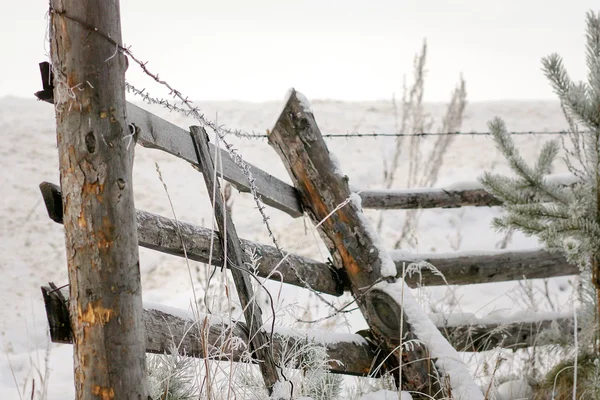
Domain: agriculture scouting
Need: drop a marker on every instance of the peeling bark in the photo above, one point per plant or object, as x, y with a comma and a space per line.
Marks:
99, 215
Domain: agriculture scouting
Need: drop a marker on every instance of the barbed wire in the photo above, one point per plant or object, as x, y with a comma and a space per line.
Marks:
350, 135
219, 130
146, 97
189, 112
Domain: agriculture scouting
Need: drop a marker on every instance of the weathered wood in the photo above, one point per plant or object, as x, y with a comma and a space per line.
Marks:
463, 268
157, 133
348, 354
426, 198
99, 216
473, 195
237, 261
57, 312
162, 234
474, 335
298, 141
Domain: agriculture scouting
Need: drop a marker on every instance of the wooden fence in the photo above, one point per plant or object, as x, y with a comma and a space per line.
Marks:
358, 264
356, 356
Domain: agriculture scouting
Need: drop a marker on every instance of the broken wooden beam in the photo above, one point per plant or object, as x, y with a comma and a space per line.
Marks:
238, 264
169, 236
325, 196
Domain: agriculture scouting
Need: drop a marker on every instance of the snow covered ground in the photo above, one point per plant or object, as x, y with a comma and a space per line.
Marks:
32, 246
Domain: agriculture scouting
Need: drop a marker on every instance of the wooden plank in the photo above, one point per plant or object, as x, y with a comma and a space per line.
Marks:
96, 163
463, 268
348, 354
157, 133
475, 336
162, 234
426, 198
322, 187
473, 195
163, 329
237, 262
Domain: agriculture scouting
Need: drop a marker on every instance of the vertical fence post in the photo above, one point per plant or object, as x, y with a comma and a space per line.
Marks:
96, 160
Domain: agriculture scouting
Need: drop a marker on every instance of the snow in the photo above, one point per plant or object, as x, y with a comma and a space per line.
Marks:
402, 255
388, 268
386, 395
447, 359
174, 311
32, 247
304, 102
321, 336
514, 390
500, 318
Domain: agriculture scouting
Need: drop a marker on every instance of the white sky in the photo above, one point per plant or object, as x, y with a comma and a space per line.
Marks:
347, 49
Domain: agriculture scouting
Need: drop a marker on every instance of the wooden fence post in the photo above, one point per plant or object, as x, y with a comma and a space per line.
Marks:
238, 264
324, 195
96, 159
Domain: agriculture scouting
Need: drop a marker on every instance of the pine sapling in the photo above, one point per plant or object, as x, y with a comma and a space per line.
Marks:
566, 218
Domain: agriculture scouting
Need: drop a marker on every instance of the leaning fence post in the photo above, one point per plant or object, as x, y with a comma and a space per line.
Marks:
236, 259
96, 159
326, 197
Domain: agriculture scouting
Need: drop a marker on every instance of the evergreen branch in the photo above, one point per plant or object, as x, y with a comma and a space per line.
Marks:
531, 179
547, 156
505, 189
540, 211
526, 225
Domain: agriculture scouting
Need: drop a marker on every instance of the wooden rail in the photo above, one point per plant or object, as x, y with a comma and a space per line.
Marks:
156, 133
166, 235
169, 236
348, 353
426, 198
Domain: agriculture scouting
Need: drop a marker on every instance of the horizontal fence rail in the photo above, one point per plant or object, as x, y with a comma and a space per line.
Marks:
169, 236
426, 198
166, 235
464, 268
459, 195
349, 354
156, 133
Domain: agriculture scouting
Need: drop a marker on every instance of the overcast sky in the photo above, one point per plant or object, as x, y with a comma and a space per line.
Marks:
346, 49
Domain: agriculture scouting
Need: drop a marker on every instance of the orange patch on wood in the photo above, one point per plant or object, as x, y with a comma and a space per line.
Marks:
350, 263
95, 314
94, 188
103, 393
104, 234
81, 221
